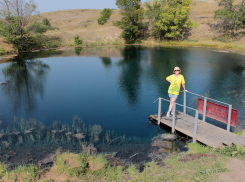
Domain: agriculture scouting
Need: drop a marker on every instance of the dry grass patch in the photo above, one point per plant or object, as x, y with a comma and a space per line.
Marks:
71, 165
97, 163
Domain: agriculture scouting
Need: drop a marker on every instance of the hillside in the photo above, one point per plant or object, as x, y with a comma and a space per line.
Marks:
83, 22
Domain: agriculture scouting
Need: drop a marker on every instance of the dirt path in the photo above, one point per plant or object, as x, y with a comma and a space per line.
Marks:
237, 171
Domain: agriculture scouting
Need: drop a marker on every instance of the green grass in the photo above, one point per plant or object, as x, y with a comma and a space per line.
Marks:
90, 167
238, 131
24, 173
196, 43
3, 170
205, 169
198, 148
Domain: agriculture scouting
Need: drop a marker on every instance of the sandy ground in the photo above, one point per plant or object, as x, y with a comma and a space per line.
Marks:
237, 171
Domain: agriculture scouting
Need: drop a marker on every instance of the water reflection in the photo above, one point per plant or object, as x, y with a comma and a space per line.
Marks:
106, 61
25, 78
78, 51
130, 73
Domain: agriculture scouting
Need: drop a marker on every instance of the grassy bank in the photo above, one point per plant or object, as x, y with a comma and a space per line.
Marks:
196, 43
198, 164
188, 43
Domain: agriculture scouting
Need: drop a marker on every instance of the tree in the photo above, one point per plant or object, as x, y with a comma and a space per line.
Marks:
174, 21
15, 15
232, 17
153, 14
132, 19
105, 16
46, 22
77, 40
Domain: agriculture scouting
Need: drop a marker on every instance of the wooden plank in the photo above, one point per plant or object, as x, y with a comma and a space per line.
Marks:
206, 133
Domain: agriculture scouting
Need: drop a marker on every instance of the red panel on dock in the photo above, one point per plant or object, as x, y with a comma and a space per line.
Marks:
217, 112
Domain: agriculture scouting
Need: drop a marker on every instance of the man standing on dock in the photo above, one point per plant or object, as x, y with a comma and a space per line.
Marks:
175, 80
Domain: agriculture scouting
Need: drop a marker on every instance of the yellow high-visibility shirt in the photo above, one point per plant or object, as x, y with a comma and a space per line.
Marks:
176, 82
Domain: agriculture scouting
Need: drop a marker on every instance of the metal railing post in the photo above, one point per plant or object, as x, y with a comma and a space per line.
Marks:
184, 108
204, 108
195, 127
159, 110
229, 118
173, 117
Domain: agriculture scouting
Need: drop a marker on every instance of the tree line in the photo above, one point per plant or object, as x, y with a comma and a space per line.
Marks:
170, 19
165, 19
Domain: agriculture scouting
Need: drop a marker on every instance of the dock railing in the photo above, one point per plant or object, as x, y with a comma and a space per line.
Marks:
205, 107
196, 111
173, 116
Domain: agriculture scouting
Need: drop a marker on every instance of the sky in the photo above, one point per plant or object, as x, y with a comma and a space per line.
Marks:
54, 5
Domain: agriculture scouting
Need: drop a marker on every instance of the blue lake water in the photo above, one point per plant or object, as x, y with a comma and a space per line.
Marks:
115, 87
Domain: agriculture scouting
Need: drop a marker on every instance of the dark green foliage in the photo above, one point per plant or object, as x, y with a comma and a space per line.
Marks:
174, 22
78, 51
132, 19
41, 27
38, 28
20, 37
232, 17
153, 14
77, 40
13, 24
46, 22
105, 16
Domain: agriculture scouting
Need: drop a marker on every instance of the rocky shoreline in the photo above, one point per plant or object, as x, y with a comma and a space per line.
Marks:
43, 153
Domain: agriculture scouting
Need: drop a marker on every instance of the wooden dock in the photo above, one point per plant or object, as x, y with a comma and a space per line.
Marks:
207, 134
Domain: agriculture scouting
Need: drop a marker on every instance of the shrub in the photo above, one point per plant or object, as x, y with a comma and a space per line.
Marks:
46, 22
2, 51
77, 40
38, 28
232, 150
105, 16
